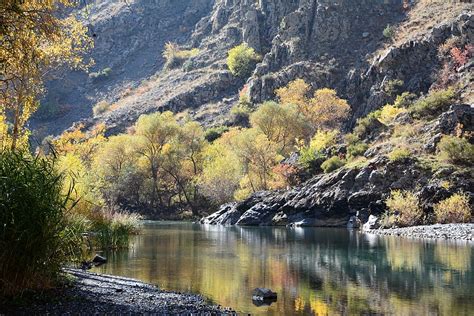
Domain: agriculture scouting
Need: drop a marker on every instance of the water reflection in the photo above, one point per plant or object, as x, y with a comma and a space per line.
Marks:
313, 270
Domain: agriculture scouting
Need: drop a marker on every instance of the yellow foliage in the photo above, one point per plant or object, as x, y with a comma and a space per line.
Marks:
389, 112
404, 208
325, 110
323, 140
455, 209
34, 40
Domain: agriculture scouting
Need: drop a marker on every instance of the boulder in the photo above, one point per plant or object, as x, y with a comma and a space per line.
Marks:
260, 294
99, 260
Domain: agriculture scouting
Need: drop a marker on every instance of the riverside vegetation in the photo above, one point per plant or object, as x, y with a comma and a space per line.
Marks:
85, 186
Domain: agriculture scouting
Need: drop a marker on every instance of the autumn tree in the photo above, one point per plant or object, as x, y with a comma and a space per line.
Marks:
34, 40
325, 110
282, 124
221, 174
155, 133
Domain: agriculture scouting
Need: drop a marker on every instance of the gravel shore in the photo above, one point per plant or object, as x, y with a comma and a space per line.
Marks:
94, 294
439, 231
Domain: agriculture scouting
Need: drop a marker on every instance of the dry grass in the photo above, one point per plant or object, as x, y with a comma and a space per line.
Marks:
425, 15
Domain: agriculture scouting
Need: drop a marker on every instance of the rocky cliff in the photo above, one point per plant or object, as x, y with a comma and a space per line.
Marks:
337, 44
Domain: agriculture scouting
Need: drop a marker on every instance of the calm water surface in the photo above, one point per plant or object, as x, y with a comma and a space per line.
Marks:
314, 270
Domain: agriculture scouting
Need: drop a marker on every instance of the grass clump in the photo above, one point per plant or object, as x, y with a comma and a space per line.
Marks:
456, 150
399, 154
101, 107
35, 238
242, 60
403, 210
175, 56
112, 229
104, 73
332, 164
455, 209
433, 104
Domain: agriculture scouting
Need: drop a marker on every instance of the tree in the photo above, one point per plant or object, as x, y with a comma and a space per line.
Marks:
221, 174
155, 133
296, 92
282, 124
34, 41
325, 110
258, 156
242, 60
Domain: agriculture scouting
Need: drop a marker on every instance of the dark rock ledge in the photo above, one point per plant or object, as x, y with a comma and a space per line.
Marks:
95, 294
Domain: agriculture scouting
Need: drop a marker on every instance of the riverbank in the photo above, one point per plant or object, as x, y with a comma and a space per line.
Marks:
95, 294
463, 232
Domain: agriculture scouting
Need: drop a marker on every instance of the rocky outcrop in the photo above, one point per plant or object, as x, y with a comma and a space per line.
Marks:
332, 199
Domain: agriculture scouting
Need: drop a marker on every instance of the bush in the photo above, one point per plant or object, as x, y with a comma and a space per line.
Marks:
113, 229
456, 150
433, 104
101, 107
455, 209
104, 73
241, 114
357, 149
399, 154
392, 87
332, 164
242, 60
403, 209
389, 112
214, 133
175, 57
389, 31
404, 100
363, 126
34, 238
311, 160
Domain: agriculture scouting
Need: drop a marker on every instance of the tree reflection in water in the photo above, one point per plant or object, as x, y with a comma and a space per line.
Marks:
314, 270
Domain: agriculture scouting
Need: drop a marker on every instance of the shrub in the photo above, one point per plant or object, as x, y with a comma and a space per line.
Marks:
399, 154
332, 164
433, 104
214, 133
456, 150
311, 160
403, 209
389, 112
392, 87
101, 107
113, 229
241, 114
242, 60
404, 100
455, 209
357, 149
363, 126
389, 31
104, 73
175, 57
34, 238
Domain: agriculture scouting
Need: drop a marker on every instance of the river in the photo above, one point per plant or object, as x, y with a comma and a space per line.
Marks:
318, 271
